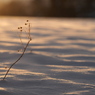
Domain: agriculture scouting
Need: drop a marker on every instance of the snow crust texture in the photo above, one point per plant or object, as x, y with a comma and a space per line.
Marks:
62, 60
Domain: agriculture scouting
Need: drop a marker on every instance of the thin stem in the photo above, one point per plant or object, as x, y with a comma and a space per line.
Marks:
17, 59
21, 41
24, 49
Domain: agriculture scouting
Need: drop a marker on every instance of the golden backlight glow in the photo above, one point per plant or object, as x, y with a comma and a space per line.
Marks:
1, 88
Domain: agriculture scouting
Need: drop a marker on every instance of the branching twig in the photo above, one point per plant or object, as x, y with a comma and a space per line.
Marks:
24, 49
17, 60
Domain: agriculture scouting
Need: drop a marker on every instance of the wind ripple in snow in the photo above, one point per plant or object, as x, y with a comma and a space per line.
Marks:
62, 61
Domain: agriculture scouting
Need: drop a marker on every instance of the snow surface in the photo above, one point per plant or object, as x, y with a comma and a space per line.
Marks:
62, 61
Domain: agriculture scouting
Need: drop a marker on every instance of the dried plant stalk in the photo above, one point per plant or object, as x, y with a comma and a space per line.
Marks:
23, 52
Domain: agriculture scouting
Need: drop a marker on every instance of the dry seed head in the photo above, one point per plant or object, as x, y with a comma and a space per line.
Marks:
27, 20
25, 23
5, 67
18, 27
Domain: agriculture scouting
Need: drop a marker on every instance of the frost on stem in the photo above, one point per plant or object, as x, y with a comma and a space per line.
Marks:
24, 48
